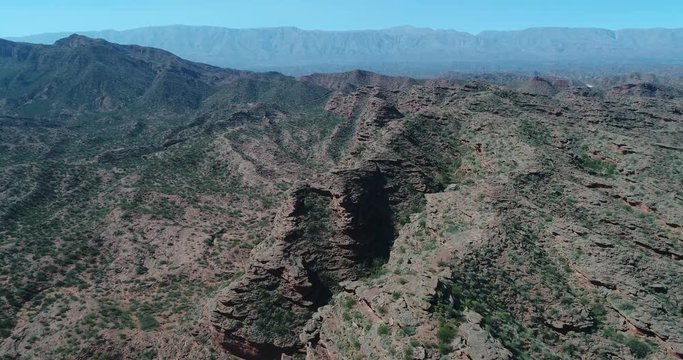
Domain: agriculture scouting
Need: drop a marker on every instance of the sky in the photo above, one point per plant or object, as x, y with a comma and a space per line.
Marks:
26, 17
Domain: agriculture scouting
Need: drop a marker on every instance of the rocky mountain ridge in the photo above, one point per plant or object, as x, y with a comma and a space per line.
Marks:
342, 216
486, 224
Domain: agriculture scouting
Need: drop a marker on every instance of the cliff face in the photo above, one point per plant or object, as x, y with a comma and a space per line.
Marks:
339, 227
475, 222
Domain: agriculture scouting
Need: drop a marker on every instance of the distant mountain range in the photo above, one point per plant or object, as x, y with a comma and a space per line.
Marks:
408, 50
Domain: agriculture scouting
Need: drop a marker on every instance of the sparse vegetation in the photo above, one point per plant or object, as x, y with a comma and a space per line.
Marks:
596, 166
639, 348
534, 132
127, 203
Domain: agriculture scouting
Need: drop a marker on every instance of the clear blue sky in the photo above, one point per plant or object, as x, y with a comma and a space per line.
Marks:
23, 17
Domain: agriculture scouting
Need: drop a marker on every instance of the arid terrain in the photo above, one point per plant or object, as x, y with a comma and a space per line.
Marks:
156, 208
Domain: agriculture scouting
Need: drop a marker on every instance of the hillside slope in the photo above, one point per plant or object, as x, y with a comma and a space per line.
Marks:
133, 185
343, 216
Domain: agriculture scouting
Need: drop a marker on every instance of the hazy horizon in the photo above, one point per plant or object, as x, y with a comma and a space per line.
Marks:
396, 27
407, 51
43, 16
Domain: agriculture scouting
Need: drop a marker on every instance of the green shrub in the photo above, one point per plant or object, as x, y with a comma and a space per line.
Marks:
275, 320
444, 348
349, 303
534, 133
639, 349
7, 322
598, 167
446, 333
383, 330
141, 269
408, 353
147, 321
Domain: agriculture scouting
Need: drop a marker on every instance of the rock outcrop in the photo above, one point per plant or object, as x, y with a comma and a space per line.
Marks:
537, 247
336, 228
